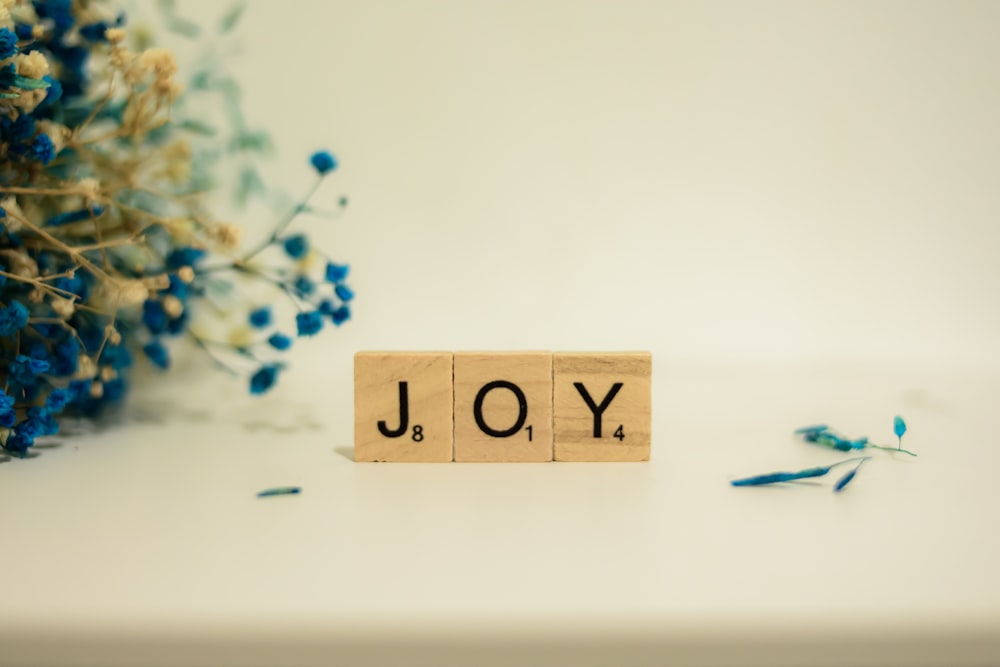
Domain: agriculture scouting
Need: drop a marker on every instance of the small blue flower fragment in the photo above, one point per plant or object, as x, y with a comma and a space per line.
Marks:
323, 162
280, 491
157, 354
263, 379
279, 341
343, 292
296, 246
807, 430
310, 323
261, 317
336, 273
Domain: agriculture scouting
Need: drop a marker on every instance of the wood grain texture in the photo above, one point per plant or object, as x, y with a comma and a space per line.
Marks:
530, 373
629, 408
428, 378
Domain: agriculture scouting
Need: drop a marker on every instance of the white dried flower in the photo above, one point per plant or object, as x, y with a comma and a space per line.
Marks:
64, 308
160, 61
14, 213
130, 292
172, 306
89, 189
112, 334
86, 368
32, 65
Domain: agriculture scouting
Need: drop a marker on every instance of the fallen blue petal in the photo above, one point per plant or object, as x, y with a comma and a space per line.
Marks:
280, 491
898, 426
844, 481
775, 477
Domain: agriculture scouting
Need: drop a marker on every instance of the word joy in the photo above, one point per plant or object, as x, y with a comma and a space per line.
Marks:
502, 406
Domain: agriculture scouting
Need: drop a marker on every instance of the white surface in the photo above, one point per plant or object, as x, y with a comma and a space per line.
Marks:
148, 541
792, 205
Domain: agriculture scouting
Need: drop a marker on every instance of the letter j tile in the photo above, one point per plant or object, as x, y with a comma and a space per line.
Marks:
403, 405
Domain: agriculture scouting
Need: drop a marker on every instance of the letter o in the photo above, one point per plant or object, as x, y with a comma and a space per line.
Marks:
522, 405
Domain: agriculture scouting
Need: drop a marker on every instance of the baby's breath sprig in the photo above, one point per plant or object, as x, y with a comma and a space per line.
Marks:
827, 437
822, 434
107, 249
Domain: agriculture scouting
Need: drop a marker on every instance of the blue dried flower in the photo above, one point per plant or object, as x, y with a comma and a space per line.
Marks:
279, 341
341, 315
13, 318
66, 357
344, 293
157, 354
60, 11
42, 149
899, 428
8, 43
261, 317
24, 369
336, 273
309, 323
177, 287
114, 390
186, 256
7, 415
263, 379
297, 246
154, 316
303, 286
323, 162
94, 32
57, 399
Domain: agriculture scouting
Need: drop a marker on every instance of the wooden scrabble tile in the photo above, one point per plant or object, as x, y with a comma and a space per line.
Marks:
403, 406
601, 406
503, 406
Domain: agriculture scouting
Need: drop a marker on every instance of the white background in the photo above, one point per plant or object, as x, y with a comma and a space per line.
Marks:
717, 181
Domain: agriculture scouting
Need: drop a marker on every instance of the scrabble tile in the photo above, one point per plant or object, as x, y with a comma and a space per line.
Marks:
403, 406
601, 406
503, 406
